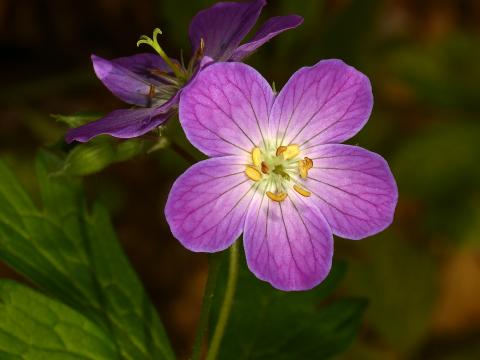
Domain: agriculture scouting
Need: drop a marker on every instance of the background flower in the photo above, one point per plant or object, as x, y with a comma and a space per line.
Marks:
147, 81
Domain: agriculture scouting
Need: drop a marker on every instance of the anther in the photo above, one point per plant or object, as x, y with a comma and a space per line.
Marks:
278, 197
281, 150
302, 169
265, 168
256, 157
291, 152
308, 163
302, 191
253, 173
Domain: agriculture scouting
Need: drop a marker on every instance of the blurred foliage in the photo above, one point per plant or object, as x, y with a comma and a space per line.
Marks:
271, 324
422, 59
399, 279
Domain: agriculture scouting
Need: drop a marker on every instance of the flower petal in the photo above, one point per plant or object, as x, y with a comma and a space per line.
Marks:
289, 243
271, 28
124, 123
353, 188
129, 78
207, 205
223, 26
326, 103
225, 110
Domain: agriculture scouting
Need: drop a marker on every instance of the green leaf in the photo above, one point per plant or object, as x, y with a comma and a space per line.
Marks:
76, 257
269, 324
35, 327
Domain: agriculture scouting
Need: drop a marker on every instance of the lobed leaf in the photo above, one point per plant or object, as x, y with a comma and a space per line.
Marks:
76, 257
35, 327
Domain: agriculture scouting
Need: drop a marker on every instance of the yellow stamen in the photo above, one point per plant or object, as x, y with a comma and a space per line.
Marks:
279, 197
256, 157
281, 150
291, 152
265, 168
302, 191
302, 169
253, 173
308, 163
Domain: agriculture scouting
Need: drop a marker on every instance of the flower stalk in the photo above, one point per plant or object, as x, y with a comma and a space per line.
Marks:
214, 262
227, 303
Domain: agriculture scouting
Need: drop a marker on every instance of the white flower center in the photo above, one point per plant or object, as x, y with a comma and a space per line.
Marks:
278, 170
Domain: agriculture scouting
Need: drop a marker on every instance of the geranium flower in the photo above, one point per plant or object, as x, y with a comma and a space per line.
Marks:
277, 172
153, 82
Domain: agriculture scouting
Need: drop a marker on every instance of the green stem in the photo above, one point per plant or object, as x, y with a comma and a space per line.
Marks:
227, 303
213, 270
189, 158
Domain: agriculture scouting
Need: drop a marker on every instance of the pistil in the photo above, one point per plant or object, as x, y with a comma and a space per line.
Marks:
153, 42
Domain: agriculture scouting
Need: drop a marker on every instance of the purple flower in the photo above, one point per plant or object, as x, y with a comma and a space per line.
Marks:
153, 83
278, 173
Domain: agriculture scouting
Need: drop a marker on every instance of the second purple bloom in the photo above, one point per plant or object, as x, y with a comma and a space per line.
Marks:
153, 83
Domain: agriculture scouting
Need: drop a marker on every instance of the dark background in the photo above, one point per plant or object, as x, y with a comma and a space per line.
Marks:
422, 275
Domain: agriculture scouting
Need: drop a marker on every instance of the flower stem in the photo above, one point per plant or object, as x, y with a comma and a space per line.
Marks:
213, 270
189, 158
226, 305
